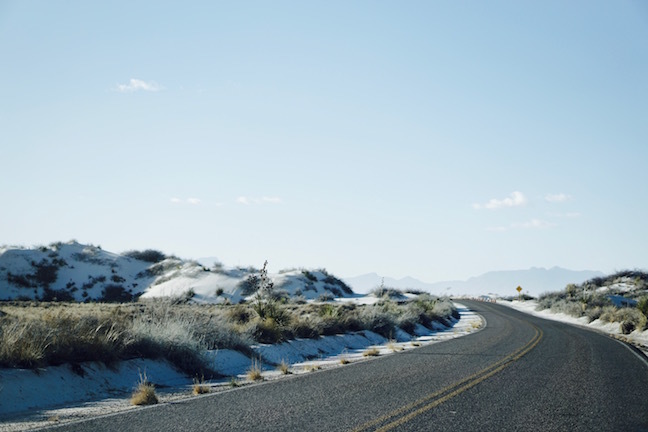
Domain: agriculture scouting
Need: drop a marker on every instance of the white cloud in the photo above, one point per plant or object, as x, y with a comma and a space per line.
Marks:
516, 199
193, 201
557, 198
263, 200
243, 200
136, 84
533, 224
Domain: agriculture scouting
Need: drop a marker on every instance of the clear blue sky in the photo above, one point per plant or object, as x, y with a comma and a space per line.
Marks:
434, 139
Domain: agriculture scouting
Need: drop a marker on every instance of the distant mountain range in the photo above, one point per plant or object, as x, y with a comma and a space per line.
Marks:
534, 281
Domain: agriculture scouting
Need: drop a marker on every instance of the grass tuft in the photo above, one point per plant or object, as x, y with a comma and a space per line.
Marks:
144, 393
371, 352
200, 386
394, 347
284, 368
254, 372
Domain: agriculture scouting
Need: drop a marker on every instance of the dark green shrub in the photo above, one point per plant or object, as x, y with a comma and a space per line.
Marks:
310, 276
628, 327
115, 294
117, 279
249, 285
20, 280
148, 255
50, 295
267, 331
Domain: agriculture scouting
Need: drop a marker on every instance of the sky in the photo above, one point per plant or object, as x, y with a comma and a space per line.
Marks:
432, 139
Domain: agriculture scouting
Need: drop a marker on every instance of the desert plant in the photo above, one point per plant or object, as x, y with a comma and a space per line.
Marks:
254, 373
144, 393
394, 347
148, 255
371, 352
642, 305
200, 386
284, 367
115, 294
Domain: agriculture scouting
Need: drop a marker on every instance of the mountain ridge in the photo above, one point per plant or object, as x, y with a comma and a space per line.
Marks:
534, 281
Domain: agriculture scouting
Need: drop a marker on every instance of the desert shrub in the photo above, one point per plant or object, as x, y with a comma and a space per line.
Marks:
46, 273
310, 276
174, 338
571, 308
330, 325
20, 280
409, 318
148, 255
254, 373
267, 331
631, 319
23, 344
642, 306
50, 295
335, 291
608, 314
240, 313
144, 393
56, 338
377, 320
594, 313
117, 279
325, 297
249, 285
545, 301
628, 327
371, 352
386, 292
302, 328
115, 294
200, 386
332, 280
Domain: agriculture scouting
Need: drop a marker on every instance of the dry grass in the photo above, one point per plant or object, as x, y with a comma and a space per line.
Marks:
371, 352
39, 334
284, 368
144, 393
394, 347
254, 373
312, 367
200, 386
344, 361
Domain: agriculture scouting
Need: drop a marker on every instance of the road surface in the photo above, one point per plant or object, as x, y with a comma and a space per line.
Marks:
520, 373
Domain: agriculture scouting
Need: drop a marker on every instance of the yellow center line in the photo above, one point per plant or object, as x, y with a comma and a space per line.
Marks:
458, 391
454, 389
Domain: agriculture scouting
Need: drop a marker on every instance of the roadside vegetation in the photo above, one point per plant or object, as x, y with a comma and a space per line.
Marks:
620, 297
36, 334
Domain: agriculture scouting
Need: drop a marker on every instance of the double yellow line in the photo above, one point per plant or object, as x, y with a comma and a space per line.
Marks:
404, 414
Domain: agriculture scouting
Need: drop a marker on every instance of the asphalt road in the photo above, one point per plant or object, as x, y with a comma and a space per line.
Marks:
519, 373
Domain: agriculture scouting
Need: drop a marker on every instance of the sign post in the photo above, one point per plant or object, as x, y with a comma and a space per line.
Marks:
519, 290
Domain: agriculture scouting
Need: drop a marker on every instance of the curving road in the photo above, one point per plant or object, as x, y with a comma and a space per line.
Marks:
519, 373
